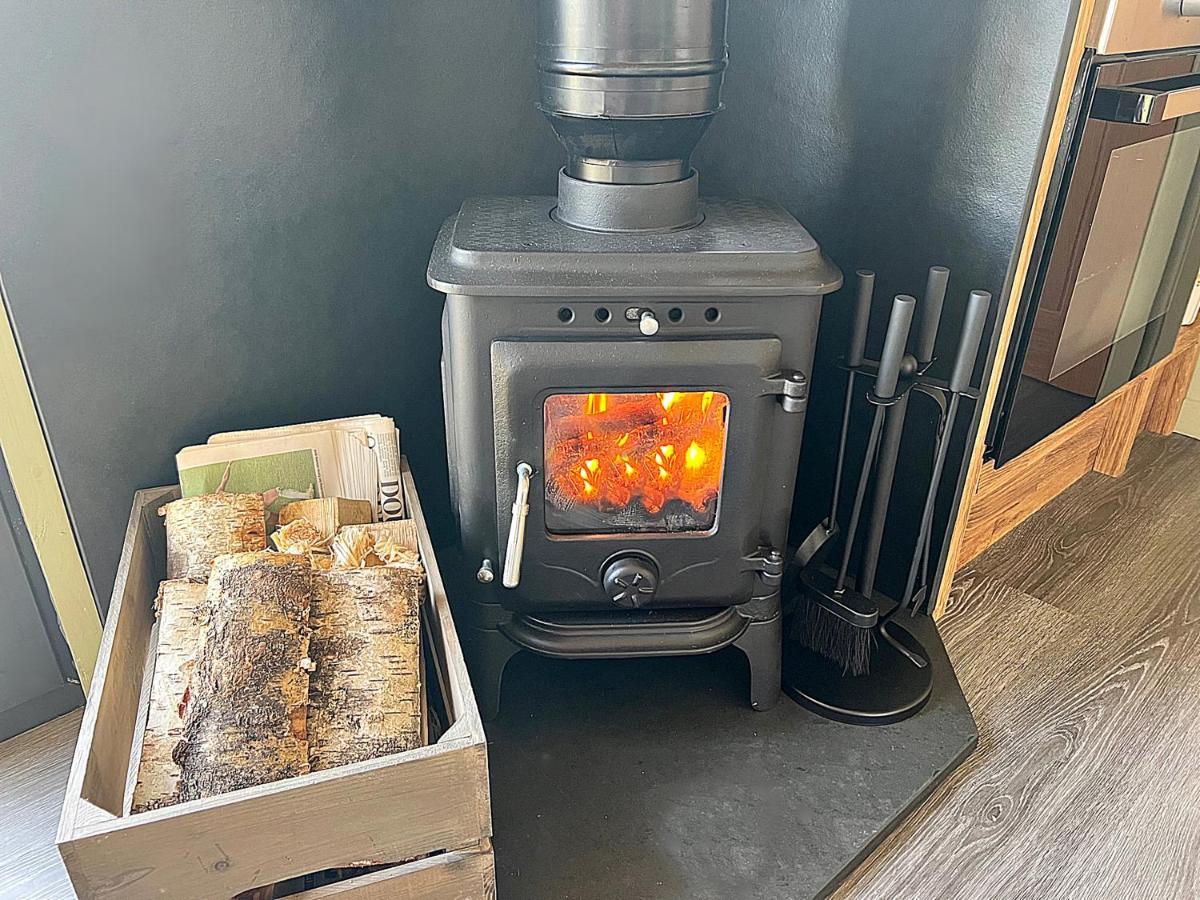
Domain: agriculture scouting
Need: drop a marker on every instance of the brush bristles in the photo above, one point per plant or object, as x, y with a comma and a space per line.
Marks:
834, 638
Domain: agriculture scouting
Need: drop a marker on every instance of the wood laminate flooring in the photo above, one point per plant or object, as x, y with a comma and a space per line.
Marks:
33, 776
1077, 642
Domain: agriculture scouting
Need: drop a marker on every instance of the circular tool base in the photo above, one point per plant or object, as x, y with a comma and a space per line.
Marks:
894, 688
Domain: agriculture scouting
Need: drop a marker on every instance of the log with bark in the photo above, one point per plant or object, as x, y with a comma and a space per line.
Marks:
246, 717
365, 694
199, 529
181, 613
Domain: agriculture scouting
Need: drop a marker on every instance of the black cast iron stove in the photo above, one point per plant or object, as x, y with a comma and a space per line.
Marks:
625, 368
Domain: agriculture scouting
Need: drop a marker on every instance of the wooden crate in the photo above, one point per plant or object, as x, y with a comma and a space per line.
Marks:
434, 799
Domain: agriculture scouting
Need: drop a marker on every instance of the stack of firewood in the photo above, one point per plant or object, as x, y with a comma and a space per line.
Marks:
275, 663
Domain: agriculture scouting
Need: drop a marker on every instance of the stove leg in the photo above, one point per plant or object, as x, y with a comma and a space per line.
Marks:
762, 642
487, 655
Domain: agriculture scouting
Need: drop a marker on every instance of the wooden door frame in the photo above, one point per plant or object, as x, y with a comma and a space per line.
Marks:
43, 505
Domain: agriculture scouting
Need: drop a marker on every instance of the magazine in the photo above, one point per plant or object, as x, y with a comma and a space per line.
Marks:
357, 458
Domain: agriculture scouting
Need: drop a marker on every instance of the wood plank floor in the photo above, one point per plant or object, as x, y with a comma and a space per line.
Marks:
1077, 642
33, 775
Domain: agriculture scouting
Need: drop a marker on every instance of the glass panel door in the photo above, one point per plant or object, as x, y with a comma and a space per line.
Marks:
1138, 218
634, 462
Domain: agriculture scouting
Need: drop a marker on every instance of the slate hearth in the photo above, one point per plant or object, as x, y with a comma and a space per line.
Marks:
651, 778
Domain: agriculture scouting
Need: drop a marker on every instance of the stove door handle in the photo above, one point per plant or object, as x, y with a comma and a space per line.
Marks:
516, 531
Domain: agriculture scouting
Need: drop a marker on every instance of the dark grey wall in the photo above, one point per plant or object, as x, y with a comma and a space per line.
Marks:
903, 134
217, 215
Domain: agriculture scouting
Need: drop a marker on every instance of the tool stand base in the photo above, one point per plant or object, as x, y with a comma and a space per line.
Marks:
894, 688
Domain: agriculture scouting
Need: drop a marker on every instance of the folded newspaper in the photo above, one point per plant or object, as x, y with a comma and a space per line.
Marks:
357, 458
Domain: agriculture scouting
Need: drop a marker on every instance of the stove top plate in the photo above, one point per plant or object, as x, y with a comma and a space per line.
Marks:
507, 246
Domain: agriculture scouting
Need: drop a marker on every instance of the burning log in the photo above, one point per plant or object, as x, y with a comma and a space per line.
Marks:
245, 721
181, 613
616, 452
365, 694
199, 529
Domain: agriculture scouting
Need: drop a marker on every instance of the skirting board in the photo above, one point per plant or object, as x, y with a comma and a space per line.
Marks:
1099, 440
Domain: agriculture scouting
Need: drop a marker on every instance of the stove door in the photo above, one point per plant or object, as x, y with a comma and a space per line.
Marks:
661, 470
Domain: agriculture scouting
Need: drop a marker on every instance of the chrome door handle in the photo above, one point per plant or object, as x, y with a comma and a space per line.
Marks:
1149, 103
516, 531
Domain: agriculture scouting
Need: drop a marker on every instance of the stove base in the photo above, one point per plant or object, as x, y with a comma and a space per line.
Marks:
624, 636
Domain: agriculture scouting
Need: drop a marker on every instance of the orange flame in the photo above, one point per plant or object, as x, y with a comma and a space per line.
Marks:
612, 451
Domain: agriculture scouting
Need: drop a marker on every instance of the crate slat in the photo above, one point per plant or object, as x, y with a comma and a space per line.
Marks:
458, 875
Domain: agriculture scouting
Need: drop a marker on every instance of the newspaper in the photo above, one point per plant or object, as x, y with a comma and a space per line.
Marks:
357, 458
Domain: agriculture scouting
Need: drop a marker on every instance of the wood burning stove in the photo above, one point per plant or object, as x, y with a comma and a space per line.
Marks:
625, 368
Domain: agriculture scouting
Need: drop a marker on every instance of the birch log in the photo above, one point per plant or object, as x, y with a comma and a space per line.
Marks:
246, 716
199, 529
181, 613
365, 694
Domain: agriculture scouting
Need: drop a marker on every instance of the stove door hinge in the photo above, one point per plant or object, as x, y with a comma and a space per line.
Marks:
791, 388
768, 563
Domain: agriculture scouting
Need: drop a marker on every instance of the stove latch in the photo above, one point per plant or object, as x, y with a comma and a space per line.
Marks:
792, 390
516, 531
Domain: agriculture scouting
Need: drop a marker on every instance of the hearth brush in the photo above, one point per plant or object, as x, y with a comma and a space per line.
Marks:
834, 619
893, 680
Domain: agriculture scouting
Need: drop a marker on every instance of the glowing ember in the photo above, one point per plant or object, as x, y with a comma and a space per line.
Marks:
630, 455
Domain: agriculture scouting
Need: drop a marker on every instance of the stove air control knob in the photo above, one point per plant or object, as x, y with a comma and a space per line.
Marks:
647, 324
630, 581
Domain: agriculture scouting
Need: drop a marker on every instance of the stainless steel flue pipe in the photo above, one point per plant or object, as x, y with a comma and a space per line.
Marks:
630, 85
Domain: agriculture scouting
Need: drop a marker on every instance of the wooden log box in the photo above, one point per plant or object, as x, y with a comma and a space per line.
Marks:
417, 803
199, 529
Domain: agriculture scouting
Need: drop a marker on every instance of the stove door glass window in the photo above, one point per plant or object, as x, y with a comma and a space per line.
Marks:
618, 463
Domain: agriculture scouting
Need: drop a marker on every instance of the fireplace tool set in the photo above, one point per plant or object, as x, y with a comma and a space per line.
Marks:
850, 659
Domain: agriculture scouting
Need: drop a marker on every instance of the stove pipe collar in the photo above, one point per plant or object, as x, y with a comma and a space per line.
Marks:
629, 87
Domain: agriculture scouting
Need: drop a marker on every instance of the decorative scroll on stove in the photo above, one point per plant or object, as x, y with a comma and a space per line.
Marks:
634, 462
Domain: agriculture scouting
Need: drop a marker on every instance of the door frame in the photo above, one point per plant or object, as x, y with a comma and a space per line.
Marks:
43, 505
